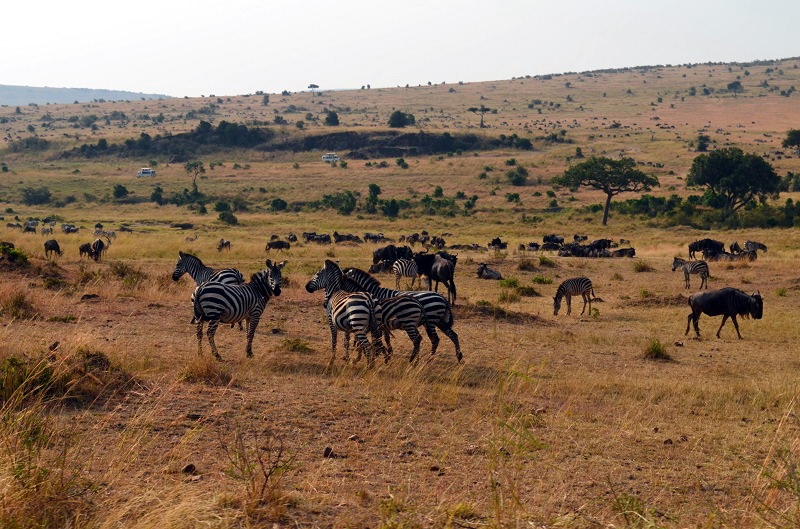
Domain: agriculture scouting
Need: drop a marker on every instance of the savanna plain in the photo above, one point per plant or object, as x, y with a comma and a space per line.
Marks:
109, 418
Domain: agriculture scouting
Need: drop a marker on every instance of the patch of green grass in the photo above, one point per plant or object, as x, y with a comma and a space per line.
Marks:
511, 282
655, 350
296, 345
546, 262
541, 280
782, 291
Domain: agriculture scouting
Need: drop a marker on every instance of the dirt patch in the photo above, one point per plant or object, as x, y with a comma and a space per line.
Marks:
493, 311
660, 301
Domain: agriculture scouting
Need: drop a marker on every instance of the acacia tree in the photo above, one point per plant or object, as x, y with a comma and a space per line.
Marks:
735, 87
612, 177
195, 168
480, 111
734, 178
792, 139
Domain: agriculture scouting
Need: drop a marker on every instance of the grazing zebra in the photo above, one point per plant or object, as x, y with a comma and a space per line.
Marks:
190, 239
437, 310
218, 302
573, 287
98, 249
347, 311
47, 231
192, 265
405, 268
692, 267
51, 247
223, 244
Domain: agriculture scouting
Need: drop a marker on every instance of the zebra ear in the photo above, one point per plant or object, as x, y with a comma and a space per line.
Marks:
180, 253
269, 263
282, 264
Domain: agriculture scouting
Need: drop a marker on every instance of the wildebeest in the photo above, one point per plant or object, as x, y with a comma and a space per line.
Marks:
753, 245
484, 272
553, 239
497, 244
85, 249
374, 237
580, 238
51, 247
531, 246
709, 247
380, 266
98, 247
729, 302
624, 252
223, 244
391, 253
735, 248
346, 237
277, 245
443, 270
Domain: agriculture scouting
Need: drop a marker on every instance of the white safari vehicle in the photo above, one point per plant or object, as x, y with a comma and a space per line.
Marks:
330, 157
146, 171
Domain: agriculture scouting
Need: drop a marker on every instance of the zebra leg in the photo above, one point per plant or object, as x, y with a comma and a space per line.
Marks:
397, 281
584, 297
450, 333
212, 330
569, 305
363, 344
416, 339
430, 330
252, 323
724, 319
199, 337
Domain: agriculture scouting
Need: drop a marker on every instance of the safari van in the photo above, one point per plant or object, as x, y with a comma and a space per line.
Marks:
330, 157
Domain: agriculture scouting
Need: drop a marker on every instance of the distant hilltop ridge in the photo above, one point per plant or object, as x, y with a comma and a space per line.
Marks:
24, 95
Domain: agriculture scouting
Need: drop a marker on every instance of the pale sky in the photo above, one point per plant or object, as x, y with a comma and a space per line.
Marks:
189, 48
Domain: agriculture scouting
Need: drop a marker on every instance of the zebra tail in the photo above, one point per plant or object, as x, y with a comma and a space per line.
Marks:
593, 294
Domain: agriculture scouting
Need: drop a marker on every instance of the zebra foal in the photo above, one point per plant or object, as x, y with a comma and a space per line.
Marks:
405, 268
692, 267
219, 302
574, 287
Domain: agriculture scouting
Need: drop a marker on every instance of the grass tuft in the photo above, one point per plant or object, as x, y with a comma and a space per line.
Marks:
546, 262
642, 266
541, 280
526, 265
206, 370
296, 345
781, 292
655, 350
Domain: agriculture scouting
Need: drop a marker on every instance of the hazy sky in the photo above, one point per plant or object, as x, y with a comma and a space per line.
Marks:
241, 46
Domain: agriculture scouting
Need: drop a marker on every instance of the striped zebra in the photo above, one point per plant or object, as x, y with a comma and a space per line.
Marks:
405, 268
400, 312
192, 265
436, 309
219, 302
692, 267
347, 311
573, 287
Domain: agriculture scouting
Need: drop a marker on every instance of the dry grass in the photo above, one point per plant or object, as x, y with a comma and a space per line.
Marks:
549, 421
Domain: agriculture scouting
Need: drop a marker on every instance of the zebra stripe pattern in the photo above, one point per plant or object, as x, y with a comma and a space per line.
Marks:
405, 268
401, 312
219, 302
437, 311
692, 267
348, 312
574, 287
189, 264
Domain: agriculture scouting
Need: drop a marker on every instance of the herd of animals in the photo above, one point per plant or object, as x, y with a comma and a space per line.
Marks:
355, 303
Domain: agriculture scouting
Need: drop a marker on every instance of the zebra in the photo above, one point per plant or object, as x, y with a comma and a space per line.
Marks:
192, 265
400, 312
405, 268
753, 245
219, 302
437, 310
223, 244
347, 311
573, 287
98, 249
692, 267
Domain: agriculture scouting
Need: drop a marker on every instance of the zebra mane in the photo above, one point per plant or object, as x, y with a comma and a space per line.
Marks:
363, 278
191, 257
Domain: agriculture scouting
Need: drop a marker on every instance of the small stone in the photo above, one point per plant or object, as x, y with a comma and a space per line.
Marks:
194, 416
668, 441
189, 469
328, 452
655, 429
678, 343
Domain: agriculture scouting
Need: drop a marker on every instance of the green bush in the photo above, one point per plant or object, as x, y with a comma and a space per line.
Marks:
228, 218
541, 280
32, 196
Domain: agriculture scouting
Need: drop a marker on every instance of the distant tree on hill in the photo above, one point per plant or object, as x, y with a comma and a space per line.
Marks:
734, 178
481, 111
332, 119
703, 140
265, 100
195, 168
400, 119
609, 176
792, 139
313, 87
735, 87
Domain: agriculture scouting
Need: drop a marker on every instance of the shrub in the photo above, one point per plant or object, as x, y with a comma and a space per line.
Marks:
528, 291
541, 280
508, 296
32, 196
228, 218
526, 265
517, 176
278, 204
511, 282
655, 350
546, 262
642, 266
206, 370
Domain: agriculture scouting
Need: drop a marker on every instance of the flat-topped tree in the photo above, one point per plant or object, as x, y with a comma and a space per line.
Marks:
481, 111
612, 177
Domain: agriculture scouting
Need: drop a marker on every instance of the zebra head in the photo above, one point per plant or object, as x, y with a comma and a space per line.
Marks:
275, 277
180, 266
677, 262
329, 278
556, 305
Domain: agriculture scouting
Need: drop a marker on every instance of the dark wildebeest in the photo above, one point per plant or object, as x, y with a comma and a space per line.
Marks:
85, 249
624, 252
580, 238
735, 248
729, 302
497, 244
443, 270
277, 245
391, 253
553, 239
709, 247
380, 266
484, 272
51, 247
223, 245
